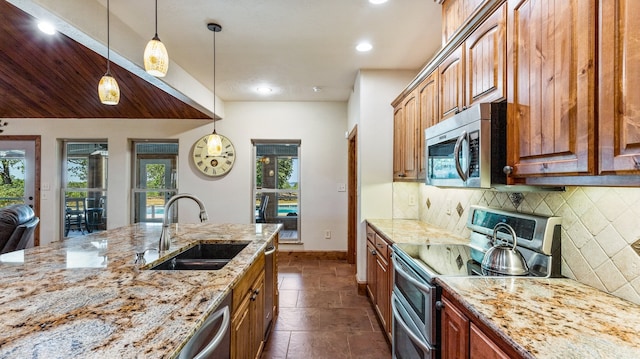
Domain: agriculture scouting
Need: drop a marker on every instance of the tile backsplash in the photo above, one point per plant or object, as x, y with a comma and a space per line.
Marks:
600, 226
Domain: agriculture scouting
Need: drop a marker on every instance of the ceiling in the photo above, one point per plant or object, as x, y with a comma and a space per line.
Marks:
291, 46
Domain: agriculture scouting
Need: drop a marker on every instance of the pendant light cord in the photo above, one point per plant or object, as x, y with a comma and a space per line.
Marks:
108, 41
156, 18
214, 82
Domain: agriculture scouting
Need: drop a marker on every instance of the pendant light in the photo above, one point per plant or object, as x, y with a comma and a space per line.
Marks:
156, 58
214, 142
108, 89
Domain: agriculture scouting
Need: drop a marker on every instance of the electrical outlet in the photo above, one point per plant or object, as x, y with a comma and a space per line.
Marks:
412, 200
327, 234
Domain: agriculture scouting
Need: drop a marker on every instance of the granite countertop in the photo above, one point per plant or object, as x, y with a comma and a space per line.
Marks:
414, 232
551, 318
85, 297
539, 317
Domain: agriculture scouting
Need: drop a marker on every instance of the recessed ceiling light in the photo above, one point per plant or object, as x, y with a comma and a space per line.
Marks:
376, 2
264, 90
364, 47
46, 27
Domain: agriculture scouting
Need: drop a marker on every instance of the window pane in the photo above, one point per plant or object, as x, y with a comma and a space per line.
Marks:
277, 188
12, 166
85, 191
154, 180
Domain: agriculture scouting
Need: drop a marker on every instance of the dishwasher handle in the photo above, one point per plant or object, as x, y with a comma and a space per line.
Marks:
270, 250
213, 344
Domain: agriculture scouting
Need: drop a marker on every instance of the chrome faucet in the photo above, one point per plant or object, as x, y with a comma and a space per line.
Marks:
165, 237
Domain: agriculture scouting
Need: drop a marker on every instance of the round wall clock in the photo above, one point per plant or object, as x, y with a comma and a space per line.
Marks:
213, 166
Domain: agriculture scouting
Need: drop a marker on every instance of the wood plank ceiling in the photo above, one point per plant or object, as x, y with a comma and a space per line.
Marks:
55, 77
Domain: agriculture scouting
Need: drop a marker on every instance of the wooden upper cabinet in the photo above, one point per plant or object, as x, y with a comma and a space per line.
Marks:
550, 66
428, 102
485, 53
454, 14
451, 82
398, 142
405, 137
619, 79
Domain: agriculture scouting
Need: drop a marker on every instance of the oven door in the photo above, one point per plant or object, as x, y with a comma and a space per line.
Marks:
407, 341
417, 296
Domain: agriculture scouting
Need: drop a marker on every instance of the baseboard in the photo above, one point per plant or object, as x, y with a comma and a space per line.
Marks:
313, 255
362, 288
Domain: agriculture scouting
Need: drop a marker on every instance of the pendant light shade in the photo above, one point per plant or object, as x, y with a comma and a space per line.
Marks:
108, 90
156, 58
214, 142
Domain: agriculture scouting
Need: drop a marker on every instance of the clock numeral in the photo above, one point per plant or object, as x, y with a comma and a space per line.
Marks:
230, 154
200, 163
197, 155
213, 171
228, 162
199, 146
206, 169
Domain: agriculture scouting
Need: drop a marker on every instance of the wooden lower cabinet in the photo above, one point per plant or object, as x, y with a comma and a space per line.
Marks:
465, 337
455, 332
380, 278
482, 347
247, 320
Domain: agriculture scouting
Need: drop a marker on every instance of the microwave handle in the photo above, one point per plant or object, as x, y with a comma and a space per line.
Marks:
456, 154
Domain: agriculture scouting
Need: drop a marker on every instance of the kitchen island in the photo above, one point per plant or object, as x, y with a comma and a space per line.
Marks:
86, 297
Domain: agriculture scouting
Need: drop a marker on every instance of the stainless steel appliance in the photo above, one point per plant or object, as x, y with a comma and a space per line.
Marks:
213, 339
416, 317
468, 149
269, 252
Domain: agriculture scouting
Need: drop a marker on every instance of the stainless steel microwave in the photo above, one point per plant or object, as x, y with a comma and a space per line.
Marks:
468, 149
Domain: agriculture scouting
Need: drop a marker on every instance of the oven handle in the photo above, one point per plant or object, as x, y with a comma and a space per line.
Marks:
456, 155
414, 338
398, 267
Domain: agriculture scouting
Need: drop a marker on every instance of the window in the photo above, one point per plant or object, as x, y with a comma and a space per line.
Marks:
154, 179
84, 185
277, 186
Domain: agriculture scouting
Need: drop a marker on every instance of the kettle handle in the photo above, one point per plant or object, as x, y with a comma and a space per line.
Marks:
512, 231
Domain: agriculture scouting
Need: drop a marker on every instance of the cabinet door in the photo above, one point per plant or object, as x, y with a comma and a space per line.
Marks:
411, 124
485, 54
371, 271
550, 63
257, 316
452, 18
398, 142
241, 347
619, 80
450, 78
455, 332
482, 347
383, 301
428, 100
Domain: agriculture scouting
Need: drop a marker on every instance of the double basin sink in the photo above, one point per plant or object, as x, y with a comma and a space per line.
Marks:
202, 256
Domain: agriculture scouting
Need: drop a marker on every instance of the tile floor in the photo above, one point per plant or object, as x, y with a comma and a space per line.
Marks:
322, 315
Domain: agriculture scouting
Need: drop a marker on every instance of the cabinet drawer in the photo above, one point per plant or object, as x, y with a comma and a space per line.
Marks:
245, 284
371, 235
382, 247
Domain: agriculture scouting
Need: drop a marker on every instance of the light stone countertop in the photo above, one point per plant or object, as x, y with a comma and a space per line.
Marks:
539, 317
414, 232
551, 318
85, 297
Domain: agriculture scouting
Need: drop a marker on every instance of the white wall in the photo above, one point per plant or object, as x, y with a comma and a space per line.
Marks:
320, 126
370, 108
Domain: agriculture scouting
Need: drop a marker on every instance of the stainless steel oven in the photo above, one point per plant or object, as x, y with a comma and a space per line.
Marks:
407, 343
416, 317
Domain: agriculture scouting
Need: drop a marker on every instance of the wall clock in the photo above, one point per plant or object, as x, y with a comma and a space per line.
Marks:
213, 166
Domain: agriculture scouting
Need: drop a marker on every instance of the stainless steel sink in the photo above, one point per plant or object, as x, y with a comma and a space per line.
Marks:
202, 256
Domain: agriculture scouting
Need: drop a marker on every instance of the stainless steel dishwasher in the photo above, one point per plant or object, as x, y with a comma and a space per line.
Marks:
213, 339
269, 254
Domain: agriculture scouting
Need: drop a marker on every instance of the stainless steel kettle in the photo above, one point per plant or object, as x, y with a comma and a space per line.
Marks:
502, 259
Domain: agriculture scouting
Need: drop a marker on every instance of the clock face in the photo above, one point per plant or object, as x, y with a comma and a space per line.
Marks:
213, 166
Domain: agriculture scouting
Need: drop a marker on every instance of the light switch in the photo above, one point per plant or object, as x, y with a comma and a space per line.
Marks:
46, 186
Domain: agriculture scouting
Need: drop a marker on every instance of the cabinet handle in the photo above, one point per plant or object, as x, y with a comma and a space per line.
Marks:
508, 170
253, 297
373, 252
439, 305
256, 292
402, 175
